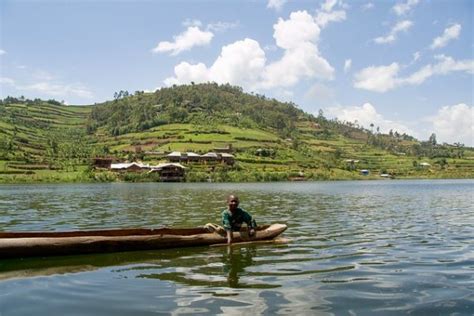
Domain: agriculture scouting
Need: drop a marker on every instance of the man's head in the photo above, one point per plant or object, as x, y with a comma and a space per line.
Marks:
233, 202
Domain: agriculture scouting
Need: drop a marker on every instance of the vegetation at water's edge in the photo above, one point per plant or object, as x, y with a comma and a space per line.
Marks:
46, 141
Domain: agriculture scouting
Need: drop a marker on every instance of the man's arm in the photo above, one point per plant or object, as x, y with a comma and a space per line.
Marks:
227, 226
250, 223
229, 237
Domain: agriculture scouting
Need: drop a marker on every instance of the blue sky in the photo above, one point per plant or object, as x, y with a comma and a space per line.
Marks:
405, 65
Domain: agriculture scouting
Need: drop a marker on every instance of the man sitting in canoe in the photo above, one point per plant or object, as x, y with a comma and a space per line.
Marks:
234, 216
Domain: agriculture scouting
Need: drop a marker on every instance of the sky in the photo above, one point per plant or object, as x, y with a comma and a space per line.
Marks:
401, 65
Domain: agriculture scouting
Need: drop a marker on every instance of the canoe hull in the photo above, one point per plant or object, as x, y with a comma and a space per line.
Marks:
18, 245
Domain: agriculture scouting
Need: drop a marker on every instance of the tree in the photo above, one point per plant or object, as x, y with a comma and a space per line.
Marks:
432, 139
442, 162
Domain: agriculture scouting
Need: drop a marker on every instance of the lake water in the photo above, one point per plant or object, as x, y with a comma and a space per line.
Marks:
356, 248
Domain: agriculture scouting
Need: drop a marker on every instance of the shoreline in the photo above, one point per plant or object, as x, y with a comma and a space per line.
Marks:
92, 181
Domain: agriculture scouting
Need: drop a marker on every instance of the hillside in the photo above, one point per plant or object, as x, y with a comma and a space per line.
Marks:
48, 141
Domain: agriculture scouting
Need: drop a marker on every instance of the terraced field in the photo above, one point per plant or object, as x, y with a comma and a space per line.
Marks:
49, 143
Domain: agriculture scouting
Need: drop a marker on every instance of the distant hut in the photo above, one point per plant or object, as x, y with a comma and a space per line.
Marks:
170, 172
129, 167
175, 156
192, 157
102, 162
209, 157
227, 159
364, 172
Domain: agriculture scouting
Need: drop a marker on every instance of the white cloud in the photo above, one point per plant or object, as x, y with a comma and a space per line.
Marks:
222, 26
323, 18
454, 123
49, 89
295, 64
298, 37
191, 22
300, 28
385, 78
328, 5
451, 124
2, 52
401, 26
450, 33
326, 14
276, 4
347, 65
239, 63
445, 66
416, 56
404, 7
58, 90
378, 79
385, 39
7, 81
186, 73
193, 36
367, 6
365, 115
218, 26
244, 62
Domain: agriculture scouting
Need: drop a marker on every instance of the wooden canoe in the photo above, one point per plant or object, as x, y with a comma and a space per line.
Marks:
33, 244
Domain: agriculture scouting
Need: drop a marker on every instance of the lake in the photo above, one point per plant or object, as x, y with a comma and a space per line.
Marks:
356, 248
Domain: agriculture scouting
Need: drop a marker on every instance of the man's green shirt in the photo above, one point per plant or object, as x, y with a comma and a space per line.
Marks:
233, 221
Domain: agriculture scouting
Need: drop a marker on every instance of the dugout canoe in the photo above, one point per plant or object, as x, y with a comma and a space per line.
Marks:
41, 244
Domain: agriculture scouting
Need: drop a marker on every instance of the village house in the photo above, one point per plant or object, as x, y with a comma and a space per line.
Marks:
175, 156
170, 172
190, 157
102, 162
209, 157
227, 159
129, 167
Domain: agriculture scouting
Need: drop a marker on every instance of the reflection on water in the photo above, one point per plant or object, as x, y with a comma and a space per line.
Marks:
221, 268
234, 263
388, 247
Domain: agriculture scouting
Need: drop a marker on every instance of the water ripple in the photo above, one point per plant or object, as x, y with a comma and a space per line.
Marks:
389, 247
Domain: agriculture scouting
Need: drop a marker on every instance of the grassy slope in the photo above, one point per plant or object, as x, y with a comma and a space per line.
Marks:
30, 127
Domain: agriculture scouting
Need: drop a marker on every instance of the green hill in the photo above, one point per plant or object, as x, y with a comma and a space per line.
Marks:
48, 141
